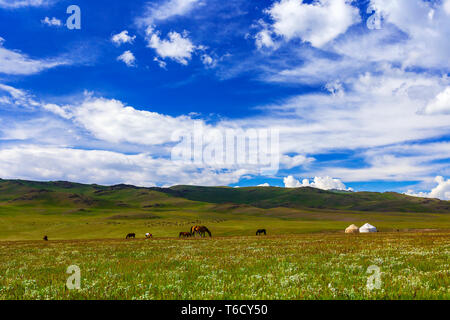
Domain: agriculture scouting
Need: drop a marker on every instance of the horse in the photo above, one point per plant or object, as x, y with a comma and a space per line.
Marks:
259, 231
148, 235
201, 230
130, 235
45, 238
185, 235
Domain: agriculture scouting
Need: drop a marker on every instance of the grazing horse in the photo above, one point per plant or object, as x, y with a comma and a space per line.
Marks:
201, 230
45, 238
185, 235
259, 231
148, 235
130, 235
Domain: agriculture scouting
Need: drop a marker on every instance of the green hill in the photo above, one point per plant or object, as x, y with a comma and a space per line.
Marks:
66, 210
303, 198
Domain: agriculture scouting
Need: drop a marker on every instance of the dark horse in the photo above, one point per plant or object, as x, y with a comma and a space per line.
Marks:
261, 231
185, 235
130, 235
201, 230
45, 238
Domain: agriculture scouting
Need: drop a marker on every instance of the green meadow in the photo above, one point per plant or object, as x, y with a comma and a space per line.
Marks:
410, 265
305, 255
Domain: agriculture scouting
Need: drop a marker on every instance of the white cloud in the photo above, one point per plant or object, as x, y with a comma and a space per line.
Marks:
13, 4
291, 162
447, 6
16, 63
104, 167
113, 121
324, 183
263, 185
441, 191
208, 61
161, 63
17, 97
128, 58
53, 22
157, 12
440, 104
177, 46
427, 27
122, 38
317, 23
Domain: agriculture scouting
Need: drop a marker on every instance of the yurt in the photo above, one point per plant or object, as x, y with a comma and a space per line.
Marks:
367, 228
352, 229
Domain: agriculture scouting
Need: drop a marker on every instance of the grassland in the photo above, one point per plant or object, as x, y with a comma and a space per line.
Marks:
62, 210
306, 255
309, 266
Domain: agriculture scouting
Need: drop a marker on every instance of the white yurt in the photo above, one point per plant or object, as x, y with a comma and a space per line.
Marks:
352, 229
367, 228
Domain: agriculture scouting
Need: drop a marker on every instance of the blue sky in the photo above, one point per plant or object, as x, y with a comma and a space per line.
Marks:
358, 91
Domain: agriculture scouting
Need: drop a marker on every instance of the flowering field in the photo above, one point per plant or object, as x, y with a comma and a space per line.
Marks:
310, 266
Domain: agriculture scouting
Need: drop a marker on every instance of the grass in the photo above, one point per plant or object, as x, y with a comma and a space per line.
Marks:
307, 266
306, 255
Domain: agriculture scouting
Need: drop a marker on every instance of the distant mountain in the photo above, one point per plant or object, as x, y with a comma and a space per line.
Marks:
61, 194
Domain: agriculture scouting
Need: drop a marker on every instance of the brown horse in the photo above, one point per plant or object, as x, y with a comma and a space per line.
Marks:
130, 235
185, 235
201, 230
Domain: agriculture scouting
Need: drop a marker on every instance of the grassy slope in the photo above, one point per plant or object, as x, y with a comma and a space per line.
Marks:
63, 210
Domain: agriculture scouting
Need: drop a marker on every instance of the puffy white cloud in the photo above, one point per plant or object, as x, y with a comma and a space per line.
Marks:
157, 12
128, 58
324, 183
177, 46
318, 22
441, 191
16, 63
427, 26
53, 22
113, 121
263, 185
122, 37
104, 167
440, 104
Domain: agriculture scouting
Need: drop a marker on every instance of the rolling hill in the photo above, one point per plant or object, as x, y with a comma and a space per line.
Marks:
66, 210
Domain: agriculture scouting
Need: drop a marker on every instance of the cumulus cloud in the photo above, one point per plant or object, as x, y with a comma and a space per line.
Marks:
122, 37
317, 23
427, 26
16, 63
104, 167
53, 22
441, 191
128, 58
176, 46
440, 104
324, 183
113, 121
263, 185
